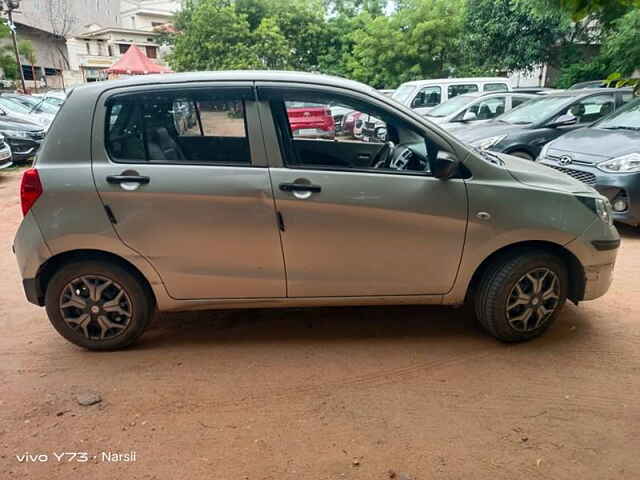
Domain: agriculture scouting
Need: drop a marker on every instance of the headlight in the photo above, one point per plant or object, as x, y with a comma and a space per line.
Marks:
486, 143
625, 164
15, 133
600, 206
543, 152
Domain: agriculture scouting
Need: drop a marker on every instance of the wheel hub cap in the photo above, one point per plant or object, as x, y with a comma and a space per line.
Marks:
533, 299
96, 307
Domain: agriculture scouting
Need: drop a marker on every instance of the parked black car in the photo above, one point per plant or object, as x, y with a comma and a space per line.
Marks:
525, 130
23, 137
607, 157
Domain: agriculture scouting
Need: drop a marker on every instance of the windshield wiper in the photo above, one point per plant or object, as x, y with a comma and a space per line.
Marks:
490, 156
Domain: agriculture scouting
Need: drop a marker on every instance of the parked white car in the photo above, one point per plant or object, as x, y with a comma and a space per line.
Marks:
423, 95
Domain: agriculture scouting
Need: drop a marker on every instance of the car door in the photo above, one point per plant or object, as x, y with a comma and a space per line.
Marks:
363, 230
182, 175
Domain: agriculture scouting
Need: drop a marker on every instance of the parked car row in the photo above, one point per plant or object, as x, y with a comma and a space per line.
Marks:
24, 122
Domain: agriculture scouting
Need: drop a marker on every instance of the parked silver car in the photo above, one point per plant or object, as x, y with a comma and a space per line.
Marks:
130, 213
475, 108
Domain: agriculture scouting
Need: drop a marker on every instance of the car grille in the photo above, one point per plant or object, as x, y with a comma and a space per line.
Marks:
584, 177
37, 135
369, 125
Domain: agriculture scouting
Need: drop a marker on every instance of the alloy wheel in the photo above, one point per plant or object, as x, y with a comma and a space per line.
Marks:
533, 299
96, 307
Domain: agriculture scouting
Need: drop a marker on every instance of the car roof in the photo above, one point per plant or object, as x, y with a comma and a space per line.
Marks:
585, 92
457, 80
230, 75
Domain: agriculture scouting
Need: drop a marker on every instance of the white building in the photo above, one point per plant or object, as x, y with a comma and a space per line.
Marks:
98, 48
147, 14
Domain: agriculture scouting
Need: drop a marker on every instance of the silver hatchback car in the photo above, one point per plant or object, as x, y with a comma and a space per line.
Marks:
189, 191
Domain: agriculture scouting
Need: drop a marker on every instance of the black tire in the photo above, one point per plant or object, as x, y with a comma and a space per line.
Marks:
497, 284
521, 154
141, 306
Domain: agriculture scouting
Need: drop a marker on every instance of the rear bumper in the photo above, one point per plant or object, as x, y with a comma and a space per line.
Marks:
31, 253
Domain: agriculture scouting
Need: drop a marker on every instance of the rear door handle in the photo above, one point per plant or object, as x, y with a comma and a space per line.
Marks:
299, 187
117, 179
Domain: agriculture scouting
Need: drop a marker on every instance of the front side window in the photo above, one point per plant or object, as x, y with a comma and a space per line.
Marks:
203, 127
320, 131
487, 109
455, 90
427, 97
495, 87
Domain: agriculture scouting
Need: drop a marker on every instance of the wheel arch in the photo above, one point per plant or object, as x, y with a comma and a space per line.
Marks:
520, 148
53, 264
577, 279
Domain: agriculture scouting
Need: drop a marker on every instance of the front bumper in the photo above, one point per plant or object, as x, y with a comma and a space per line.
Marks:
5, 156
23, 148
596, 250
611, 185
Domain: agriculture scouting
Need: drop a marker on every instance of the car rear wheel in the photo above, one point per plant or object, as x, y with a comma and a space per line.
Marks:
520, 295
98, 305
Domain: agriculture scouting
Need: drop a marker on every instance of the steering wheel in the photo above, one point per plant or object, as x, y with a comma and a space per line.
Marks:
384, 156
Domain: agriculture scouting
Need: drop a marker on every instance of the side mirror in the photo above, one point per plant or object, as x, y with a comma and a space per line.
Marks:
381, 133
563, 120
444, 166
469, 116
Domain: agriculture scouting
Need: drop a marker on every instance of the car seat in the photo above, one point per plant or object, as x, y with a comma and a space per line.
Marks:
162, 147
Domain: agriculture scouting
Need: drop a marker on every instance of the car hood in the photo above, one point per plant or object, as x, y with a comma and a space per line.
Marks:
537, 175
14, 123
486, 130
598, 142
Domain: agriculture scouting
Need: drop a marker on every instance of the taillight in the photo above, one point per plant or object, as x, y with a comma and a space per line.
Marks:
30, 189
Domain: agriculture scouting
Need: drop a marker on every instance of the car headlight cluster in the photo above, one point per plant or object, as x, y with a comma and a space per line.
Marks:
15, 133
487, 143
600, 206
625, 164
543, 153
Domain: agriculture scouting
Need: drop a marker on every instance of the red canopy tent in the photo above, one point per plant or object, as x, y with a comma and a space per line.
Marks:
134, 62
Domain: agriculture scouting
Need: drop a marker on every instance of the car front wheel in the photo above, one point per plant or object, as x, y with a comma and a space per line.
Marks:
520, 295
98, 305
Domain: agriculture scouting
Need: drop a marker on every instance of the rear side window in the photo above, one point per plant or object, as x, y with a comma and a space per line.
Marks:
427, 97
516, 101
455, 90
203, 127
495, 87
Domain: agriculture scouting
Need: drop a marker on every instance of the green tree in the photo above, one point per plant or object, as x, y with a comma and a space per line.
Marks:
25, 47
508, 35
242, 34
7, 57
621, 47
421, 39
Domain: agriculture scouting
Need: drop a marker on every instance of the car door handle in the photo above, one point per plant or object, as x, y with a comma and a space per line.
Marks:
116, 179
300, 187
363, 156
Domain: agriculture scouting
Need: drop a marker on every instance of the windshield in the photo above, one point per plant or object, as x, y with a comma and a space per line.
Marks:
627, 118
451, 106
14, 106
403, 94
535, 111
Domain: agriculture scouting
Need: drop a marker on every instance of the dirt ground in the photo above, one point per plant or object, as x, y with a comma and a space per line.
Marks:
349, 393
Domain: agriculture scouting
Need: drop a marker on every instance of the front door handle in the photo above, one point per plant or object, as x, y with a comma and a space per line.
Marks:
300, 187
119, 179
